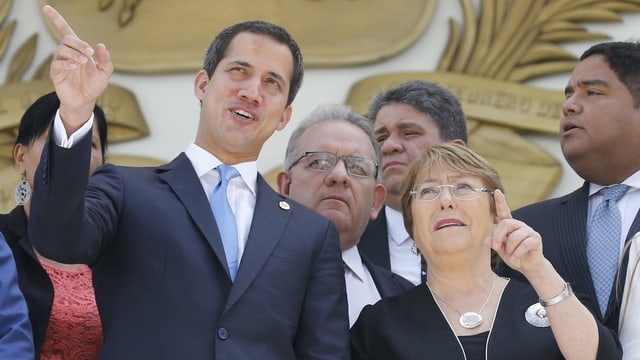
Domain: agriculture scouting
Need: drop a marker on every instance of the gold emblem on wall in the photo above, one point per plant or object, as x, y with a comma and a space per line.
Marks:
170, 35
124, 117
485, 63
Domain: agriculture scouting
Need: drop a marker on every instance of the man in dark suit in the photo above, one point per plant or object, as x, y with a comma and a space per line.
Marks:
331, 166
165, 280
407, 119
599, 137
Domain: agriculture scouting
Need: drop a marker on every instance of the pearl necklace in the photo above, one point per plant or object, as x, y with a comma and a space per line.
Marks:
469, 319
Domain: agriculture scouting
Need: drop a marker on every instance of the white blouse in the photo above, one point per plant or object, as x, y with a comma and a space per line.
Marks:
630, 313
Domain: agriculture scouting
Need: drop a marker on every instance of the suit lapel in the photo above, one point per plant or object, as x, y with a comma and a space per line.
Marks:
181, 177
374, 242
571, 225
269, 220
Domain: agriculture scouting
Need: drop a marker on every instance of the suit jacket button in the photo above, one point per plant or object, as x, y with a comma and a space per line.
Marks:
223, 334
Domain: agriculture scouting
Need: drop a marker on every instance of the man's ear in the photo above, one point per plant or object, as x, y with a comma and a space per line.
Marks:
284, 182
379, 196
286, 116
458, 142
200, 84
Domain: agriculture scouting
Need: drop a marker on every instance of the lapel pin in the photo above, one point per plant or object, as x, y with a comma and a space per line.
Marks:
284, 205
537, 316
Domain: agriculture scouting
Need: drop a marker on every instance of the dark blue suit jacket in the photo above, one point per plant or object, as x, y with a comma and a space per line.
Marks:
374, 242
16, 342
33, 279
387, 283
160, 274
562, 223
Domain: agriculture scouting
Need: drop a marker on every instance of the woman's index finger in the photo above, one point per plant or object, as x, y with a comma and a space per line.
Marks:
502, 208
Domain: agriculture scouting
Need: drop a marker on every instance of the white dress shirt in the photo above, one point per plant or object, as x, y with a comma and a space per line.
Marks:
403, 261
630, 309
361, 290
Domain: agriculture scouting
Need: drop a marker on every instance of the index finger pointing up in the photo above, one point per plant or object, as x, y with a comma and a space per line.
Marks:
58, 21
502, 209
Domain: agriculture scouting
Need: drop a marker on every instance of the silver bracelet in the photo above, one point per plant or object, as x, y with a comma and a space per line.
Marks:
565, 293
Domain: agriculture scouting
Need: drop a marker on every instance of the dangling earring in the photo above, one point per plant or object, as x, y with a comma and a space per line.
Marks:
23, 192
414, 249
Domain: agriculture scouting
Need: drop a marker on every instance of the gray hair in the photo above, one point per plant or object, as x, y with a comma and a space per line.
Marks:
330, 112
429, 98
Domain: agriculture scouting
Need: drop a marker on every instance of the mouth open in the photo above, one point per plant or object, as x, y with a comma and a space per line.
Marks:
442, 224
243, 114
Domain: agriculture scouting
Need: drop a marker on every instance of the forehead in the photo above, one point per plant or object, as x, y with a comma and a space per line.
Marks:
399, 115
595, 67
442, 174
260, 50
338, 136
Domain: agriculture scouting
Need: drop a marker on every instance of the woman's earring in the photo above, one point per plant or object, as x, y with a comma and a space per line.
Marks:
23, 191
414, 249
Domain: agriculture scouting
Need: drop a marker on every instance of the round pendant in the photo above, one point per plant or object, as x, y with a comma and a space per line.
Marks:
470, 320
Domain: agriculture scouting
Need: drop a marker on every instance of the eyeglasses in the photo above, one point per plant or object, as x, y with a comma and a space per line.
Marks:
430, 191
324, 162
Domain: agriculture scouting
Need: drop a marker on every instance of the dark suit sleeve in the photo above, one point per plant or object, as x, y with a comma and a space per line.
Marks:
71, 221
324, 323
16, 340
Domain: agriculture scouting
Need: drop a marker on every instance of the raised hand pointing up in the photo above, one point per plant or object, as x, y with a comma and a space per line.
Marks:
78, 77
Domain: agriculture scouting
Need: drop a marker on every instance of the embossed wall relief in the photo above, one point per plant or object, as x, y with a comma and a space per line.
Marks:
170, 35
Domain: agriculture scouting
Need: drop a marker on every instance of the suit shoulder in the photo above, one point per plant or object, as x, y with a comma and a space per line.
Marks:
545, 207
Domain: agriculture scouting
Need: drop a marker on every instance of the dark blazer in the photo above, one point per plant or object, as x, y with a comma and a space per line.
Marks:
387, 283
562, 223
32, 278
411, 326
374, 242
16, 342
161, 280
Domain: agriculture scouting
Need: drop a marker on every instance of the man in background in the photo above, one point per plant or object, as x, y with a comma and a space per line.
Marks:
407, 119
331, 166
584, 232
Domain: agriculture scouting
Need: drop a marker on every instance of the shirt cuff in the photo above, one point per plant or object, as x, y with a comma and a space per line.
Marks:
60, 134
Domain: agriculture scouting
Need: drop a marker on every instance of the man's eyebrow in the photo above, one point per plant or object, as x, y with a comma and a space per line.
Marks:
584, 83
240, 62
277, 76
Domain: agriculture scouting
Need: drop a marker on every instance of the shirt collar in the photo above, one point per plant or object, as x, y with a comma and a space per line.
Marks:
395, 226
351, 258
633, 181
203, 162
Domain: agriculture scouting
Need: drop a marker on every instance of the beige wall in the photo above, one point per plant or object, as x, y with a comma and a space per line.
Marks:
171, 110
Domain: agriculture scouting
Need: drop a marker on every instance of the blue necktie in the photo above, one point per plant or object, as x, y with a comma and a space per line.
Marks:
603, 245
224, 217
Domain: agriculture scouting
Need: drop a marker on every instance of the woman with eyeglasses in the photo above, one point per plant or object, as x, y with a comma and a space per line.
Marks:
455, 210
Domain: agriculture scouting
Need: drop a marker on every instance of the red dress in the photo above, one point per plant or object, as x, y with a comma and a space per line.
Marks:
75, 330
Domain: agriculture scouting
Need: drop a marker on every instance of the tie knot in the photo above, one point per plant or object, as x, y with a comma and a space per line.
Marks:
227, 172
614, 192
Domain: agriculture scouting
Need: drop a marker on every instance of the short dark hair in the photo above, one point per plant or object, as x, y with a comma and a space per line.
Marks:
429, 98
36, 120
624, 59
218, 48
